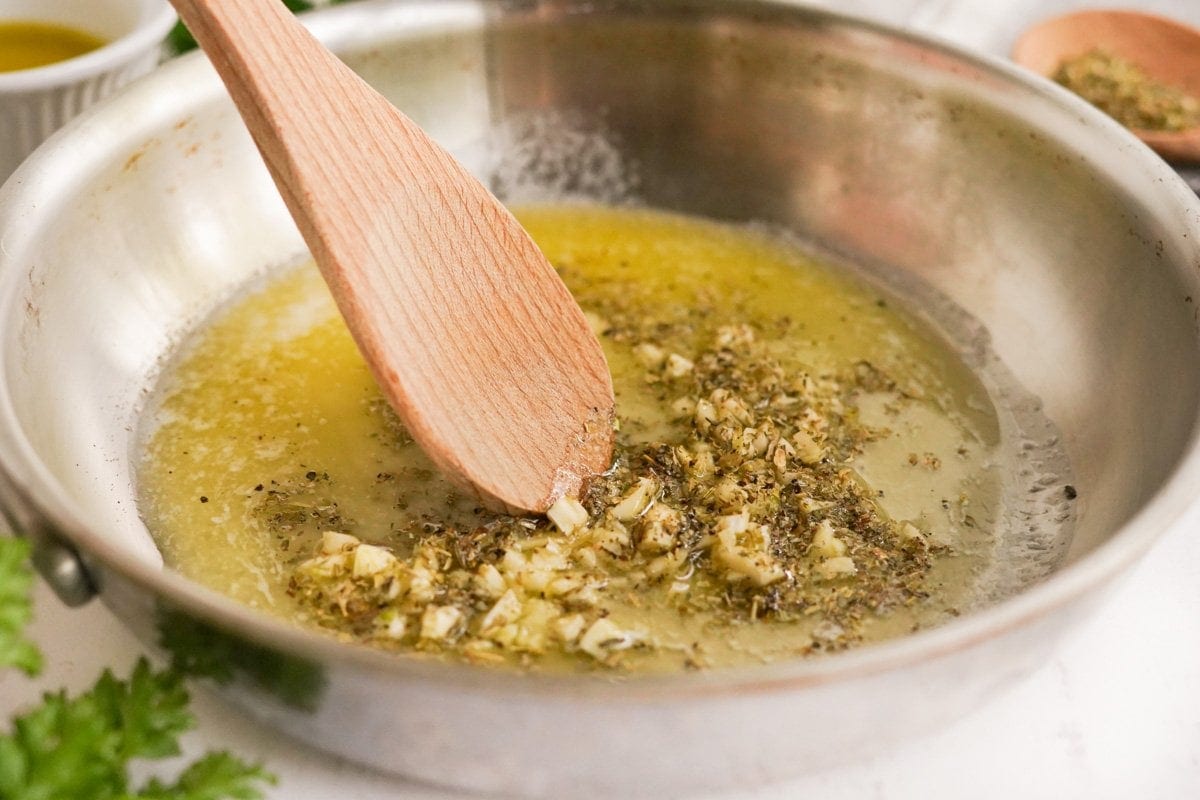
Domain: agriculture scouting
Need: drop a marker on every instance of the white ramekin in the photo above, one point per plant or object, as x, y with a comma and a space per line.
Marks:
36, 102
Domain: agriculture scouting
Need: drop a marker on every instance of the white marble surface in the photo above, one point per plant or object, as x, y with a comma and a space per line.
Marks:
1114, 714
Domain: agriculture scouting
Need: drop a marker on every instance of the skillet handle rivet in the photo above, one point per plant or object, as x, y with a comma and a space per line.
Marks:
61, 567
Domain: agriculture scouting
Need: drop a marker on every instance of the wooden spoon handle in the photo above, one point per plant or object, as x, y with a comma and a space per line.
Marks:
468, 329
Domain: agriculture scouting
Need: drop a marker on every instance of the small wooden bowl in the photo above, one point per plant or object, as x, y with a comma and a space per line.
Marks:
1166, 50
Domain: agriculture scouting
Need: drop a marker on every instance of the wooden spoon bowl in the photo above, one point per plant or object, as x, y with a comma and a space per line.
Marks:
1166, 50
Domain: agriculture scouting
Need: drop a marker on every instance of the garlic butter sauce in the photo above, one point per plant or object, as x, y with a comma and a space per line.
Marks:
802, 468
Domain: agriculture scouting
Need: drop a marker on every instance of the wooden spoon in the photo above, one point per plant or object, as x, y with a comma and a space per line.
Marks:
466, 326
1166, 50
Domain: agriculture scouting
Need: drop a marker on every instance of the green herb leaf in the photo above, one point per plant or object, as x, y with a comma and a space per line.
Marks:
80, 748
217, 775
15, 611
149, 711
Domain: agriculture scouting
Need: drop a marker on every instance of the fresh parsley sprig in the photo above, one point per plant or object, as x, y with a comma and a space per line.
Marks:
81, 747
15, 608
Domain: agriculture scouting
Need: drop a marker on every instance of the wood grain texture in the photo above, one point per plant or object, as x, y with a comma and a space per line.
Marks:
468, 329
1164, 49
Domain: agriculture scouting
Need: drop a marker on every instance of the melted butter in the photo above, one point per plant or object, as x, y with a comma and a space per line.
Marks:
26, 45
274, 390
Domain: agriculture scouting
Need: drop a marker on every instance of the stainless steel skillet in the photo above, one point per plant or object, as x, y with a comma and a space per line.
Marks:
1073, 246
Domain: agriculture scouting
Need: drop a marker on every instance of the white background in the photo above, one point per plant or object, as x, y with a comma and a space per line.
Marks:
1114, 714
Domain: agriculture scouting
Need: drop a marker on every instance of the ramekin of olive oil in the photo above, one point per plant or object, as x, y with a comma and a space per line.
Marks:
58, 57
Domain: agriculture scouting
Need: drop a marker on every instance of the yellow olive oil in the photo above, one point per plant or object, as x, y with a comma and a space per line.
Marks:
28, 44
